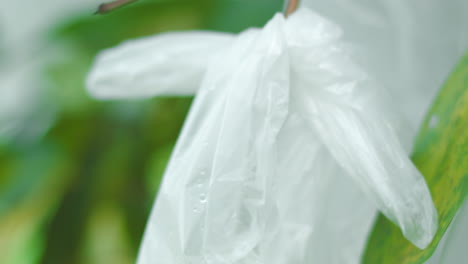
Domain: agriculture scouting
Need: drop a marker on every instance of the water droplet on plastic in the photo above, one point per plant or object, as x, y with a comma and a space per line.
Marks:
199, 183
203, 197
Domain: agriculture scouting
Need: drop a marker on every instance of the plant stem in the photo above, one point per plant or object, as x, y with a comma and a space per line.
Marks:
111, 6
291, 7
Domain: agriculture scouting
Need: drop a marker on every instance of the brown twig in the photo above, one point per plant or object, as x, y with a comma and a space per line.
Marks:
291, 7
109, 7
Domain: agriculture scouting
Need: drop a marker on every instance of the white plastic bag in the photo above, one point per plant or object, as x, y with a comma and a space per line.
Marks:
284, 134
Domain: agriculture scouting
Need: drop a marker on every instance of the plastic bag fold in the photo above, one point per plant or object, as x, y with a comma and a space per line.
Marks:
151, 66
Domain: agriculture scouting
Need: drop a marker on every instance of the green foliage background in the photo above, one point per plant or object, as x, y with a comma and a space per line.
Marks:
82, 194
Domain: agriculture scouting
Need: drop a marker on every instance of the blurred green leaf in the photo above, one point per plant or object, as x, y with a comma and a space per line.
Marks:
31, 194
101, 164
158, 164
106, 239
113, 157
238, 15
30, 171
441, 154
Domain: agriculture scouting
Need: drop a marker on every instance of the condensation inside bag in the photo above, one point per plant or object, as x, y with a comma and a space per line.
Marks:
286, 152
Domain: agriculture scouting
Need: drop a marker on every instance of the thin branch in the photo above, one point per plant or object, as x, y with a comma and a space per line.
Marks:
109, 7
291, 7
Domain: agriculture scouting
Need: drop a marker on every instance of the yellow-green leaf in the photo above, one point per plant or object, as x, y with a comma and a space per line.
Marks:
441, 154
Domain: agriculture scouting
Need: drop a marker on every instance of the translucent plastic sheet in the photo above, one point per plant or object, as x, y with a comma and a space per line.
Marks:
409, 46
285, 135
152, 66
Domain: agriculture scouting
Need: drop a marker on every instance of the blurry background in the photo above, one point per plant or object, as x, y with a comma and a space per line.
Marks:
78, 176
